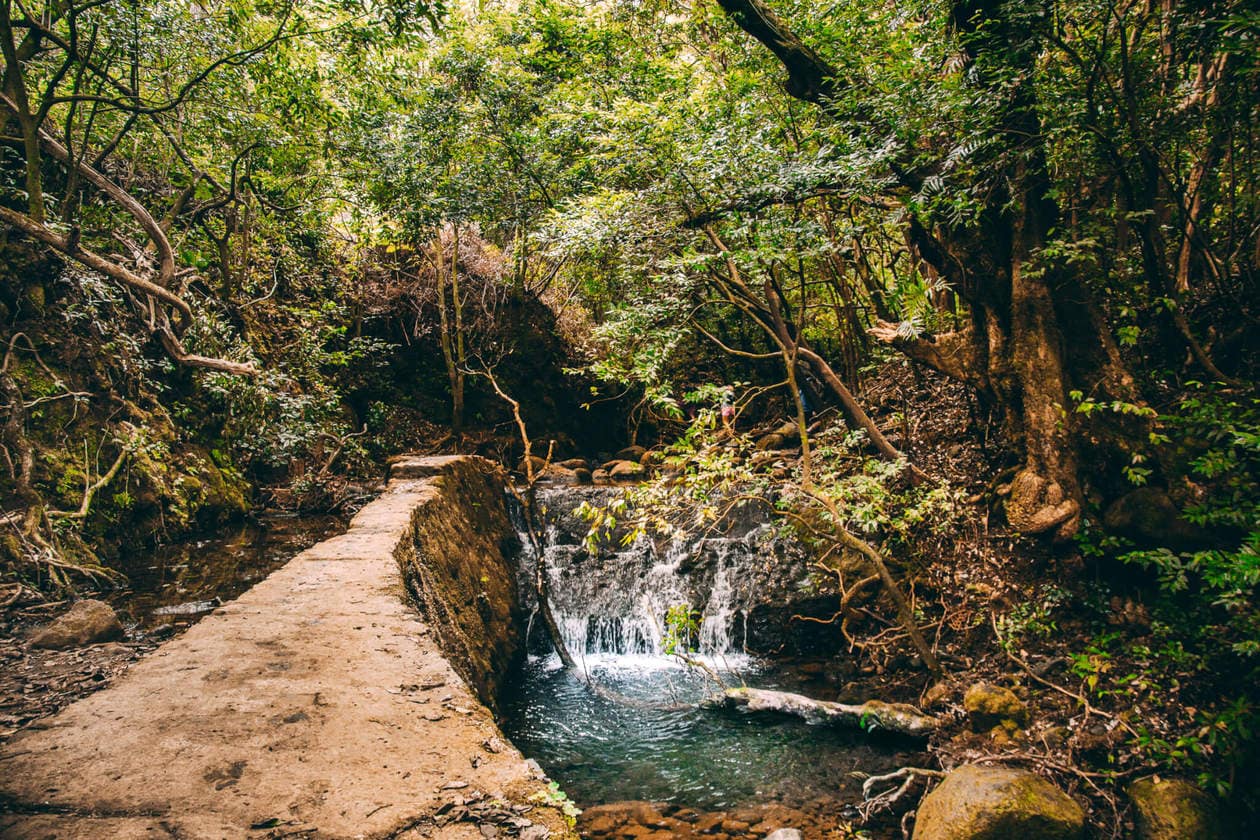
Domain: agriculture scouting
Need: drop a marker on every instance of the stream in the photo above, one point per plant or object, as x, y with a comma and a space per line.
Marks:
641, 734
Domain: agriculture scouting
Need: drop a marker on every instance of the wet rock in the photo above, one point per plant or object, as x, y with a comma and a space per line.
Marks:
582, 475
558, 473
574, 464
538, 464
992, 705
87, 622
625, 470
1172, 809
976, 802
869, 716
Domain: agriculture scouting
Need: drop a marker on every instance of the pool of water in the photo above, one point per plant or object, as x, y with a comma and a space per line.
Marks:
179, 583
642, 736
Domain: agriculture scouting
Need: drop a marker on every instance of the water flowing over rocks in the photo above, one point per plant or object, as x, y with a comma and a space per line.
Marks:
748, 585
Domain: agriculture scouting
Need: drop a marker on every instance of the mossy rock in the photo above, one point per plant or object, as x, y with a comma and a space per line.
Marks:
976, 802
1173, 809
993, 705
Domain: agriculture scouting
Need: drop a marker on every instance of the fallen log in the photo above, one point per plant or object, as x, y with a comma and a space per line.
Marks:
871, 716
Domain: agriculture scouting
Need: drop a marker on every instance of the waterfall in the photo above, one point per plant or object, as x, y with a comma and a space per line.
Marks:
617, 601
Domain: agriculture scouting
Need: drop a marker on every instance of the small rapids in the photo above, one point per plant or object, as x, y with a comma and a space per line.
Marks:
640, 734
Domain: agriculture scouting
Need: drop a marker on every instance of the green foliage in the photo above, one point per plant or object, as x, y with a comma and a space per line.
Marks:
1034, 618
682, 630
1220, 440
554, 797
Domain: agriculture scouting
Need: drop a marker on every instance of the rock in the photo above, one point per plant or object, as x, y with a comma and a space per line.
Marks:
784, 834
574, 464
539, 464
630, 453
582, 475
771, 441
1149, 516
600, 475
936, 693
87, 622
1172, 809
625, 470
869, 716
991, 705
975, 802
560, 474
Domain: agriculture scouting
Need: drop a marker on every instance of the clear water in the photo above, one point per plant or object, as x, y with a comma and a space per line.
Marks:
642, 736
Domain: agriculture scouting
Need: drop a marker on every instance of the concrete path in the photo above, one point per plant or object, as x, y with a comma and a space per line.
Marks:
318, 705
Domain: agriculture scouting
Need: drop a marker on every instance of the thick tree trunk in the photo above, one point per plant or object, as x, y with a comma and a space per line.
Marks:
1014, 353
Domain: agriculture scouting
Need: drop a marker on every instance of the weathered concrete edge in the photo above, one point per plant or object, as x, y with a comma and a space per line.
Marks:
458, 566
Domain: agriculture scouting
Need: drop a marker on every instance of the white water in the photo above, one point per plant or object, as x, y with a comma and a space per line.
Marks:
622, 608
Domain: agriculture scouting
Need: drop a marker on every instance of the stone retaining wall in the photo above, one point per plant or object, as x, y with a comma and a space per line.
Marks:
457, 567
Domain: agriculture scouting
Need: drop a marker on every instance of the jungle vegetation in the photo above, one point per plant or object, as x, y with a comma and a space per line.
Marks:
252, 247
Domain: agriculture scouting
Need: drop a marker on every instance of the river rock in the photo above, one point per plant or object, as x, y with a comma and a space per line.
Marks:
784, 834
630, 453
976, 802
1173, 809
625, 470
581, 475
574, 464
992, 705
87, 622
539, 464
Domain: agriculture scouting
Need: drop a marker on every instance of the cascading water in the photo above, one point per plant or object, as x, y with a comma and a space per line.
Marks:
640, 735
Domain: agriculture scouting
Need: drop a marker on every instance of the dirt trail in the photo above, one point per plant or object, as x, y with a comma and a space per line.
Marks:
318, 704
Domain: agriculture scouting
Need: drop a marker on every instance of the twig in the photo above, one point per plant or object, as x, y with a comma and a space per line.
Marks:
1080, 698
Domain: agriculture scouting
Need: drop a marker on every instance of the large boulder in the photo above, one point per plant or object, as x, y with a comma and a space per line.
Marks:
1150, 517
86, 623
990, 705
1174, 809
976, 802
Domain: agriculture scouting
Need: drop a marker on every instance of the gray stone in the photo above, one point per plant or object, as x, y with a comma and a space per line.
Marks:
784, 834
976, 802
86, 623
